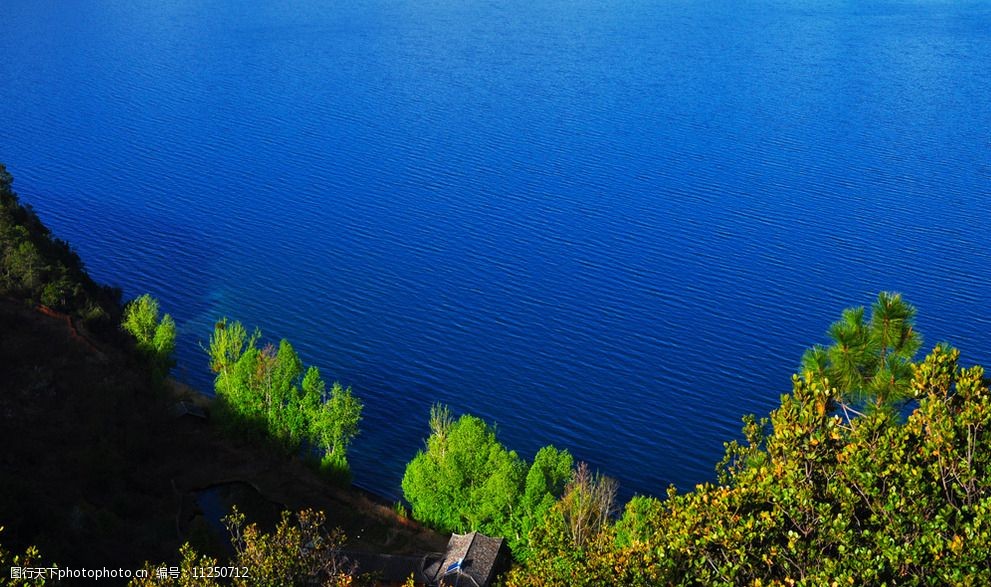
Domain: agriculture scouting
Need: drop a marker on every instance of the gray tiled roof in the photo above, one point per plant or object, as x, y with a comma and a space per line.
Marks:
481, 559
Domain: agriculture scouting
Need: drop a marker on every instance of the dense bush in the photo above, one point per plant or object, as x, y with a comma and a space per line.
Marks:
466, 480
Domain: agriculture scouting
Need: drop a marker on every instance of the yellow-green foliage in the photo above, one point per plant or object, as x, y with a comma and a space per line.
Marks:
814, 498
299, 552
30, 559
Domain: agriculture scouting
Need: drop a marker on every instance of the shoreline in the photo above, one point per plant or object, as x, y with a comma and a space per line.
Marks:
183, 391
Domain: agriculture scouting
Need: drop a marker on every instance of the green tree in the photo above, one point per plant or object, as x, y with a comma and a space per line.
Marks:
285, 376
869, 361
59, 291
276, 378
465, 479
155, 337
228, 344
334, 424
545, 483
231, 351
26, 262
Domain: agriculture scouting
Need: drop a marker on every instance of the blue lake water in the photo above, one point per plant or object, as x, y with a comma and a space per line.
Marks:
610, 226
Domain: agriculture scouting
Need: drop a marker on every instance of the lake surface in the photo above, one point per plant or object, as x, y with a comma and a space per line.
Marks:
610, 226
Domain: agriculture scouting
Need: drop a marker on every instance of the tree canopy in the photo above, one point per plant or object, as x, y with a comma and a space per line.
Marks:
155, 337
466, 480
267, 391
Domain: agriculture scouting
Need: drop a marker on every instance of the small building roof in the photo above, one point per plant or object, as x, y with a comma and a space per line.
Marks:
471, 560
